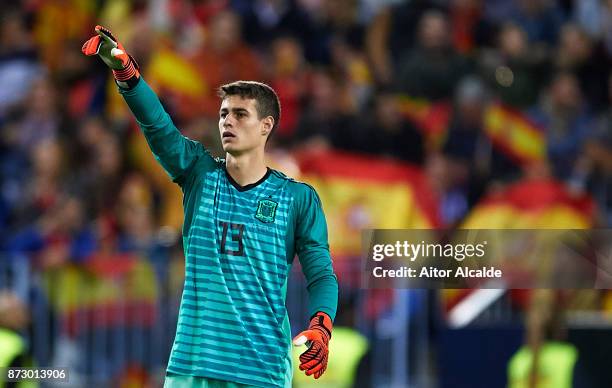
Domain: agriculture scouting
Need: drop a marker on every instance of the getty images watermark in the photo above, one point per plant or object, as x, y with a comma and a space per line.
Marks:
487, 259
428, 251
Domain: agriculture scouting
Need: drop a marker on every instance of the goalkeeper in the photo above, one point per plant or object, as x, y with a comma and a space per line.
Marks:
244, 223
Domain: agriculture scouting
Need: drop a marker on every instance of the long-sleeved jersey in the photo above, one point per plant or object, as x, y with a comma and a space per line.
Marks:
239, 244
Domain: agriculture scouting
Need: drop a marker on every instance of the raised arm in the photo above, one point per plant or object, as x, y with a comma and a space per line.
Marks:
176, 153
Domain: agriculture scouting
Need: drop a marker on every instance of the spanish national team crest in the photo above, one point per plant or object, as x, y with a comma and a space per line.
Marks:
266, 210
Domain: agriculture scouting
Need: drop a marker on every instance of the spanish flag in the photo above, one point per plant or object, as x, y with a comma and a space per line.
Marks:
509, 130
105, 291
432, 118
359, 192
515, 134
533, 204
528, 204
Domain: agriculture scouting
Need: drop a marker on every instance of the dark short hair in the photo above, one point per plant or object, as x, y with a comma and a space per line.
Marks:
267, 102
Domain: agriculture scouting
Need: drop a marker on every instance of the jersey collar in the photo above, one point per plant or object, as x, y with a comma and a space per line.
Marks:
250, 185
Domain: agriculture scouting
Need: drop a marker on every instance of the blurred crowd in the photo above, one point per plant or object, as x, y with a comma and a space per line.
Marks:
78, 183
75, 176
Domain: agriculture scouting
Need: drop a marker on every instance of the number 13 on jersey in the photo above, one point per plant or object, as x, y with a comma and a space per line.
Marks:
235, 233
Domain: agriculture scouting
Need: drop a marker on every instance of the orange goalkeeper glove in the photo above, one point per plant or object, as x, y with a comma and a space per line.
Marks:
314, 359
105, 45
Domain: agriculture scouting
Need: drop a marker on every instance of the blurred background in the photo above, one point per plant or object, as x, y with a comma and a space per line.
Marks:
402, 113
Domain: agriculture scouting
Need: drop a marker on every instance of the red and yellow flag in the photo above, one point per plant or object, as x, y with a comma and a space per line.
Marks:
510, 131
361, 192
533, 204
105, 291
432, 118
528, 204
514, 134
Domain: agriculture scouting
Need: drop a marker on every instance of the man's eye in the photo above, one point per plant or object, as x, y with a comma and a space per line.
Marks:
223, 115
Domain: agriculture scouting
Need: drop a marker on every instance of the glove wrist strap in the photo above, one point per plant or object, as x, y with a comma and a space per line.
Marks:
322, 322
127, 77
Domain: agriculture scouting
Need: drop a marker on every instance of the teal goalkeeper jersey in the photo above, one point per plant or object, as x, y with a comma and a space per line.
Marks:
239, 246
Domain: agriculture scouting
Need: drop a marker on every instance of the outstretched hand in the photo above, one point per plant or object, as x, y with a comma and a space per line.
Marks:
108, 48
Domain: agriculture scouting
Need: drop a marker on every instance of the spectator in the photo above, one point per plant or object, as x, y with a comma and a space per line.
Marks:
101, 176
326, 120
265, 20
19, 66
390, 34
137, 228
61, 235
433, 68
568, 124
41, 191
578, 54
474, 161
515, 70
14, 318
466, 24
388, 133
342, 18
39, 119
13, 312
589, 14
288, 77
598, 152
350, 62
540, 19
223, 58
595, 17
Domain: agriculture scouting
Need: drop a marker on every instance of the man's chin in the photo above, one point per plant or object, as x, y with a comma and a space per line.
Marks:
232, 149
228, 147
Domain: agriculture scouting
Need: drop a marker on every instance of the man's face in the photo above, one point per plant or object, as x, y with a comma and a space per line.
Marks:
240, 127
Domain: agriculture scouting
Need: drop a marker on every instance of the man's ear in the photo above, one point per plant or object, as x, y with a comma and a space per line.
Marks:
268, 124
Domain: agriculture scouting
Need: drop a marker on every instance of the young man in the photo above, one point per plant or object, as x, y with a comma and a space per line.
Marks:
243, 225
